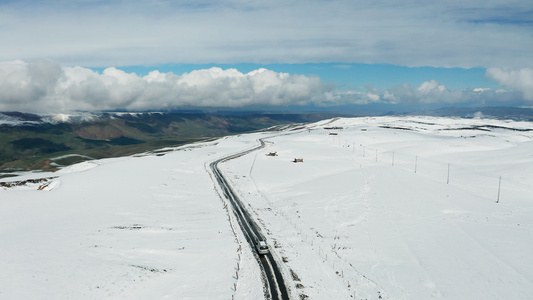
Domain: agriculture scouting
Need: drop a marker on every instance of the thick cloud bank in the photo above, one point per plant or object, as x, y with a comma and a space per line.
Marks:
46, 86
520, 80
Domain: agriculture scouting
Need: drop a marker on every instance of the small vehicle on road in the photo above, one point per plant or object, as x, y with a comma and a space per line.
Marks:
262, 247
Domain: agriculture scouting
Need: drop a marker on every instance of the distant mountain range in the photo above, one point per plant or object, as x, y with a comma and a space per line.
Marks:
30, 141
46, 142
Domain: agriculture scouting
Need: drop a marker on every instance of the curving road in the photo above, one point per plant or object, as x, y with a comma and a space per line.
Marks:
274, 283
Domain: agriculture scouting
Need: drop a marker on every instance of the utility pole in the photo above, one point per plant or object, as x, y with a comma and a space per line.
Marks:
499, 185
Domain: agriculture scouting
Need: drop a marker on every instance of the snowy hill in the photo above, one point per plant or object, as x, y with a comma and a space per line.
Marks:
380, 208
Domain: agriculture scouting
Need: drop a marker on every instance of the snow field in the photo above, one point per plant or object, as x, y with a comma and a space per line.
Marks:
390, 208
149, 227
353, 226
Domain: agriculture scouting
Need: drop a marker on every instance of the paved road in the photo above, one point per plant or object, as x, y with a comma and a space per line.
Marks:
274, 283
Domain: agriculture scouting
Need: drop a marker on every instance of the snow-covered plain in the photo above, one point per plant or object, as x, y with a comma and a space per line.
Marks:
388, 207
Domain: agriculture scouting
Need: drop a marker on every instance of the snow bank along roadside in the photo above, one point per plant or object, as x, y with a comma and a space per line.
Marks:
148, 227
398, 208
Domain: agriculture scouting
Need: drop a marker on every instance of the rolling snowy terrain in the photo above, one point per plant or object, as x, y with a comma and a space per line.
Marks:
380, 208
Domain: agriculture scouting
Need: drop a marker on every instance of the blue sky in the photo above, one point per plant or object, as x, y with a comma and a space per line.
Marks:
319, 53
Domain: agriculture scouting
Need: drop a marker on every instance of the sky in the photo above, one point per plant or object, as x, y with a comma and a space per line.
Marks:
157, 55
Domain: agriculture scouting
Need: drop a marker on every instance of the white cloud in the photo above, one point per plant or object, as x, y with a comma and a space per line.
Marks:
519, 79
369, 96
430, 93
45, 86
430, 87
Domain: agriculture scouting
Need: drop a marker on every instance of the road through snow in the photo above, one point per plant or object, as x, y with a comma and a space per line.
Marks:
371, 212
275, 286
385, 208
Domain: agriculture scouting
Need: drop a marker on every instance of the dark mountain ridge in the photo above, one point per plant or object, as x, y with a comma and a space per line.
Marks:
30, 141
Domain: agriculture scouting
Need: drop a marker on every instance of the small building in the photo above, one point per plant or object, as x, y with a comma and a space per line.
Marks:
297, 160
272, 154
